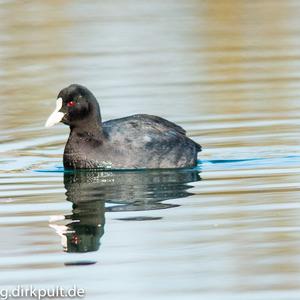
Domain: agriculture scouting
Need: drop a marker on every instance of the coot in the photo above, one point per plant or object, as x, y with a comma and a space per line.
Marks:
136, 142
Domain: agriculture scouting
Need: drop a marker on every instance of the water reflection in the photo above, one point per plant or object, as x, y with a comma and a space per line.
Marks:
124, 191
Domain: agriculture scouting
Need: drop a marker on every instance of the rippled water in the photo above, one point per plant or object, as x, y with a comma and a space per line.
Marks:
227, 71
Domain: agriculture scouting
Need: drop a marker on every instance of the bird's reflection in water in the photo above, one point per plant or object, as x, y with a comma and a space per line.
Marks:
122, 191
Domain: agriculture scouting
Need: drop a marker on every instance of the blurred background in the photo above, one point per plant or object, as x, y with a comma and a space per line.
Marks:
228, 72
197, 63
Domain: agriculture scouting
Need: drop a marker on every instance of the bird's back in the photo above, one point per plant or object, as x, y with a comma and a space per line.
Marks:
146, 141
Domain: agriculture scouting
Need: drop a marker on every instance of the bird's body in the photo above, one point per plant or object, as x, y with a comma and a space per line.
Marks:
135, 142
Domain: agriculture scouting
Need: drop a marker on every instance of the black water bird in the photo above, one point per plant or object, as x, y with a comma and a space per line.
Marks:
136, 142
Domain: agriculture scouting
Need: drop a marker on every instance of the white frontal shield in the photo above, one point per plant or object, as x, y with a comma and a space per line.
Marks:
57, 115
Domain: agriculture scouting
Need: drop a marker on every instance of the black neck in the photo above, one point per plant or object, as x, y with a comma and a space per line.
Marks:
91, 129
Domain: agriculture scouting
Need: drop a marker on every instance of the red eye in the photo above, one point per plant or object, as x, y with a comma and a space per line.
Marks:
71, 103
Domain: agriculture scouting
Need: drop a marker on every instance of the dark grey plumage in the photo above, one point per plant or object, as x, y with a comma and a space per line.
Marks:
135, 142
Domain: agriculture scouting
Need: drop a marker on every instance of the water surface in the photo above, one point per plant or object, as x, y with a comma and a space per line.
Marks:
228, 72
